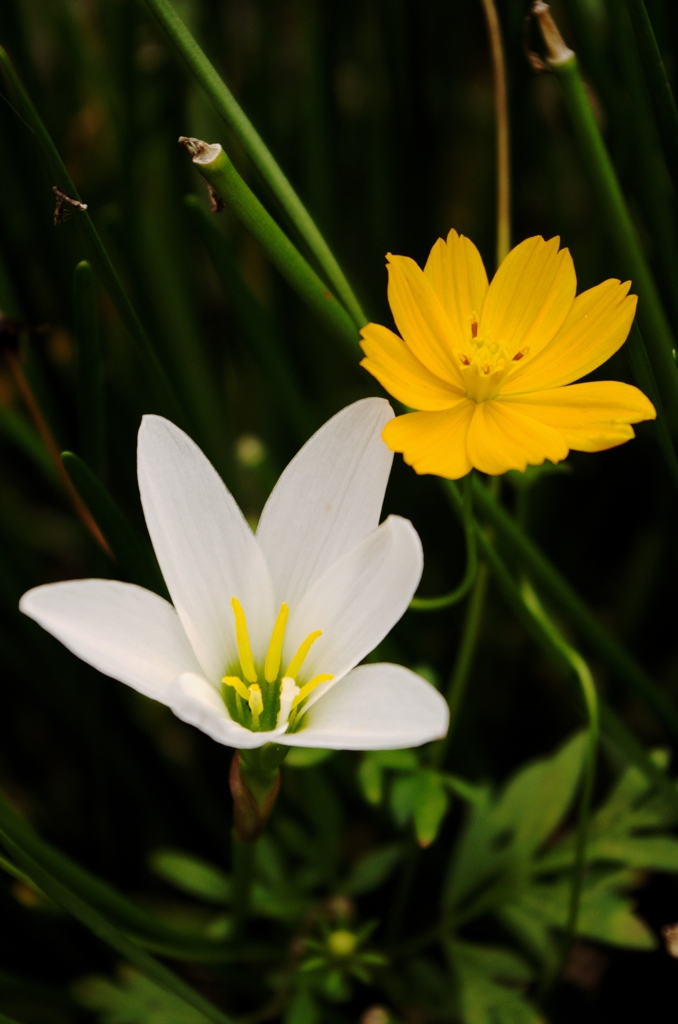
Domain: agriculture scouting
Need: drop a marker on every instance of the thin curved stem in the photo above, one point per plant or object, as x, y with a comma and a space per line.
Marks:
502, 122
590, 697
432, 604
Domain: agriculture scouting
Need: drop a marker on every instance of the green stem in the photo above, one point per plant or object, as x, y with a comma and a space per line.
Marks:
613, 728
98, 253
228, 108
90, 390
590, 698
218, 170
428, 604
656, 331
556, 588
658, 84
502, 130
464, 661
257, 325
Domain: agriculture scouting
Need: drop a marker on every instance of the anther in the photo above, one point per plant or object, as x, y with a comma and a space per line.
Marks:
243, 641
299, 658
256, 703
237, 685
308, 688
274, 654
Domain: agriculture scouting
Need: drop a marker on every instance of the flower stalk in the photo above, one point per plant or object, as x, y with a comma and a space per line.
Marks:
218, 170
227, 107
502, 121
652, 318
254, 779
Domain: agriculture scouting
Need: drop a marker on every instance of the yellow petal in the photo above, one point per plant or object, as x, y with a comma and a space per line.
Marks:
389, 360
456, 272
502, 437
529, 297
590, 417
433, 442
596, 327
421, 319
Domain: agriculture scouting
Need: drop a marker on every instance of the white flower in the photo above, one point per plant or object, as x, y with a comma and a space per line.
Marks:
265, 634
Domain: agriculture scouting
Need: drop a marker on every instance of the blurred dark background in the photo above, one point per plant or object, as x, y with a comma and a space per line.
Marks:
382, 115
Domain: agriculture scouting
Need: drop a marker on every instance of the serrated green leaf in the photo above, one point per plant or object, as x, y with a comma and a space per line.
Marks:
192, 875
539, 795
606, 912
133, 999
372, 870
489, 980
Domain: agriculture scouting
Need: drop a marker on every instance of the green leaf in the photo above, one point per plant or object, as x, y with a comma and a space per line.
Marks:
192, 875
97, 894
539, 796
373, 869
489, 980
373, 765
107, 933
133, 999
430, 801
302, 1009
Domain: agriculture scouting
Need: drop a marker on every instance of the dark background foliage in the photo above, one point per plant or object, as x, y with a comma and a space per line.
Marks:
382, 115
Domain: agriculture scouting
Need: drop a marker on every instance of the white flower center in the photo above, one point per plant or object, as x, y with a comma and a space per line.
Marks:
261, 700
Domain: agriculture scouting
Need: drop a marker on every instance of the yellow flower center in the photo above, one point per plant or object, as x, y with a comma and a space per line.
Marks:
258, 698
485, 365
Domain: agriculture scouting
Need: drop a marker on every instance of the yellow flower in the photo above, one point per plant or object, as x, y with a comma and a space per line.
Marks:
486, 364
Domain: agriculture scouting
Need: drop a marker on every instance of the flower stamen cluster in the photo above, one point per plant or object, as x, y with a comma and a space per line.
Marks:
284, 699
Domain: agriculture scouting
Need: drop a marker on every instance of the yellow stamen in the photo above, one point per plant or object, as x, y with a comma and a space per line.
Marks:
237, 685
308, 688
255, 702
299, 658
274, 653
243, 642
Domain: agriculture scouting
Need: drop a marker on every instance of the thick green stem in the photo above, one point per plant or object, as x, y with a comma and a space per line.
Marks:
98, 254
556, 588
652, 318
218, 170
228, 108
659, 87
256, 323
430, 604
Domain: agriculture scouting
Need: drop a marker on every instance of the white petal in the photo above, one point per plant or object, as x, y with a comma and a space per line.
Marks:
328, 498
205, 548
356, 602
375, 707
194, 700
122, 630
